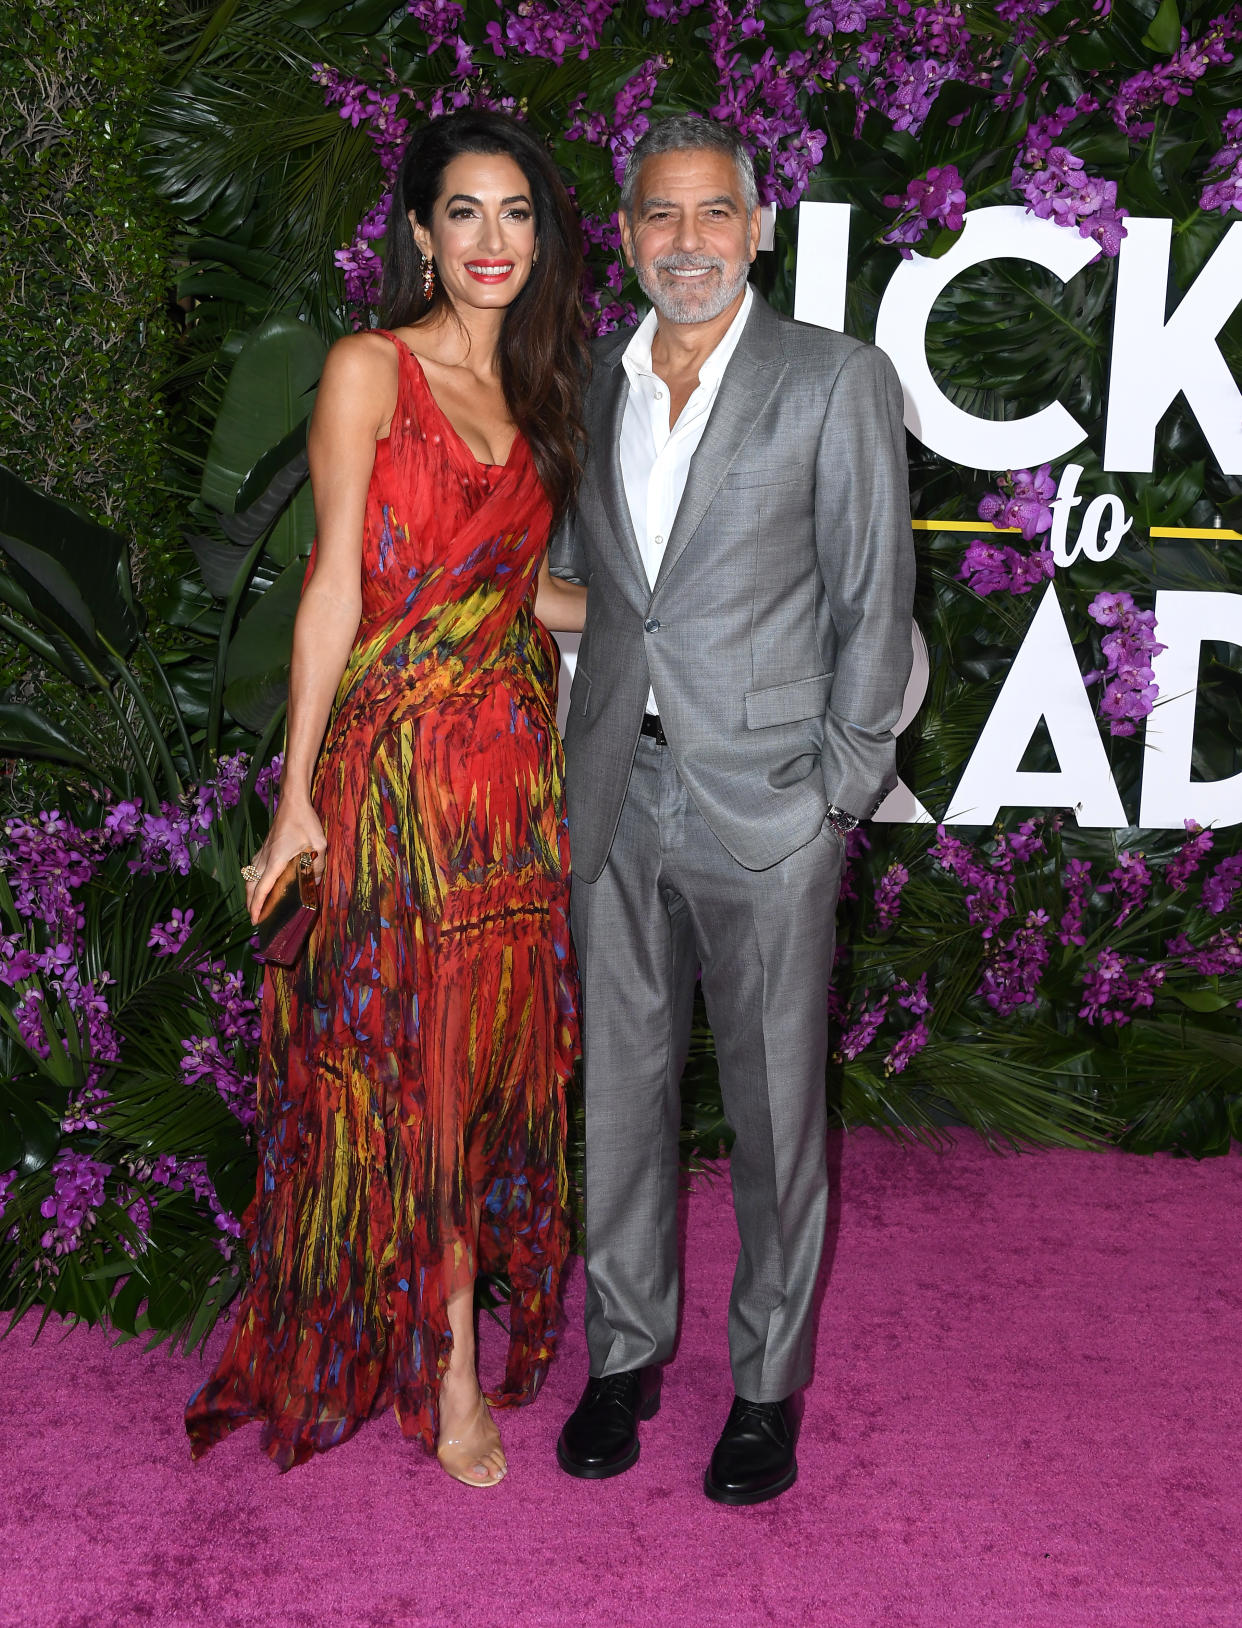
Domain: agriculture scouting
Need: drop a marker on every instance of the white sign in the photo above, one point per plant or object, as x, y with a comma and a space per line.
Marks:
1152, 359
1107, 509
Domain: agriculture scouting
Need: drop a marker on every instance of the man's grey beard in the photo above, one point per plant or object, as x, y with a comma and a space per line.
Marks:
691, 306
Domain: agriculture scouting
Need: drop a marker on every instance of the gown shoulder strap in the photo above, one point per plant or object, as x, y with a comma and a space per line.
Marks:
408, 372
387, 333
404, 352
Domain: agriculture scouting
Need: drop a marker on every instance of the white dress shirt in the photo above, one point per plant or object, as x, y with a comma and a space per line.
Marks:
655, 459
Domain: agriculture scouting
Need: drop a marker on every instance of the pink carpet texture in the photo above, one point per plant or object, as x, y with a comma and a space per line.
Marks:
1025, 1414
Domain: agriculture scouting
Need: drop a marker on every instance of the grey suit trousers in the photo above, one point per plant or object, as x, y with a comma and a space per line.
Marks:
672, 899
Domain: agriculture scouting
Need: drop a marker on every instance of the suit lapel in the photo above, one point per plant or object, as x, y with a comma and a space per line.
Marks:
750, 380
614, 389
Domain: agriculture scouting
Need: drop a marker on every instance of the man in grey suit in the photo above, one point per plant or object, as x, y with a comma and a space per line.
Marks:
743, 528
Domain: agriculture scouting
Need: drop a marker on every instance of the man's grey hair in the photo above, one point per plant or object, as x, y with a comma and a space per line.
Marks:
685, 132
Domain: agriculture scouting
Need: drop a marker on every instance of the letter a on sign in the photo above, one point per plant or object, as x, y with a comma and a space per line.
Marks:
1043, 682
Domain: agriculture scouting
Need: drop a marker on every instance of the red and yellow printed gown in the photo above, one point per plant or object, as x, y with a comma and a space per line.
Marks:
413, 1071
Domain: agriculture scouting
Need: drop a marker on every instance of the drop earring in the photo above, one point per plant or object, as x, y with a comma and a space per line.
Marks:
429, 278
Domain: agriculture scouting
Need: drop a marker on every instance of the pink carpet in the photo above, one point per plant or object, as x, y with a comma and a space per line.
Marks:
1026, 1415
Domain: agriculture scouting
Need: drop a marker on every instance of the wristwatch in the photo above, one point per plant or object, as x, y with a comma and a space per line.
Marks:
841, 822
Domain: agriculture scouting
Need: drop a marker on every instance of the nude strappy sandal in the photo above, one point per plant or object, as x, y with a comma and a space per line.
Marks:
456, 1458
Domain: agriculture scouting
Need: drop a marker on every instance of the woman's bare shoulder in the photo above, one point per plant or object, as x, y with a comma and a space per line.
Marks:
361, 357
359, 375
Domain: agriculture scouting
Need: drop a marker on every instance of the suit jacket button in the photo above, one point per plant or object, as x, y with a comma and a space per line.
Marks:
651, 625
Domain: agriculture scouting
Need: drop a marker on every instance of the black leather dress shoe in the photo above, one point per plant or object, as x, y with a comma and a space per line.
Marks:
600, 1437
754, 1458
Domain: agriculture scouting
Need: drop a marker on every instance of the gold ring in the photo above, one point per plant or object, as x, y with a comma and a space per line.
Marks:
250, 874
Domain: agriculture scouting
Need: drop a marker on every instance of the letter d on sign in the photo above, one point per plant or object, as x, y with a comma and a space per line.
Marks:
1170, 796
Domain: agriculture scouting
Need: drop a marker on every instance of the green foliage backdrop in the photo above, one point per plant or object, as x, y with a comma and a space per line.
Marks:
86, 342
84, 247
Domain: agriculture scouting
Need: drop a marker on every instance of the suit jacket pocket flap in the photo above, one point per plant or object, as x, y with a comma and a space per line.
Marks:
756, 479
787, 703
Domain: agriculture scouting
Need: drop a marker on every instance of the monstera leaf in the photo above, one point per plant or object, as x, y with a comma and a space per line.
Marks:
269, 393
26, 732
75, 572
68, 579
257, 673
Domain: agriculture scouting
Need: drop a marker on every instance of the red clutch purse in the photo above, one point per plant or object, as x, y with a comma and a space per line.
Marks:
289, 912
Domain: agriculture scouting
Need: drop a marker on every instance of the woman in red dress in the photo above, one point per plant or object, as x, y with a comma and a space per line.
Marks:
411, 1087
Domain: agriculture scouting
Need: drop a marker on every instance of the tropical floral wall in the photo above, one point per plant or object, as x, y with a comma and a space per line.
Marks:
1043, 980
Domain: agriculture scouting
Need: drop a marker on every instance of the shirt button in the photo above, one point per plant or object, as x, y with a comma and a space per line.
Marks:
658, 540
659, 395
651, 625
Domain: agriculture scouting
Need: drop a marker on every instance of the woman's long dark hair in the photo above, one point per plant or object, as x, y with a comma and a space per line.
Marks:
542, 349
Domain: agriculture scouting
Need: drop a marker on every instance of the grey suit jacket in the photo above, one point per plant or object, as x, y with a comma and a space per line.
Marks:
777, 636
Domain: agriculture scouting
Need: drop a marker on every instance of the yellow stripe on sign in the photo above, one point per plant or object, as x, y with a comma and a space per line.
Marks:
960, 525
1213, 534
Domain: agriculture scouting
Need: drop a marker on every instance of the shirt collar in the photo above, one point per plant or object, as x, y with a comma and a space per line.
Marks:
636, 357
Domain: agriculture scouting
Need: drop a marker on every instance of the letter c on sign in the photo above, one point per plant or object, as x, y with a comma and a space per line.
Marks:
1006, 231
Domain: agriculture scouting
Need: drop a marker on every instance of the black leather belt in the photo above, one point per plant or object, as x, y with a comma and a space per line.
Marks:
654, 729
